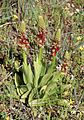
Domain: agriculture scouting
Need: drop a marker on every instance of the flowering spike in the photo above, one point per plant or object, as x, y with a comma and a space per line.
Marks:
58, 35
54, 49
23, 41
23, 27
41, 22
41, 38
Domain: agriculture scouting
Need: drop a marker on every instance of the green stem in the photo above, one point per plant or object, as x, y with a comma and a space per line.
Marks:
40, 54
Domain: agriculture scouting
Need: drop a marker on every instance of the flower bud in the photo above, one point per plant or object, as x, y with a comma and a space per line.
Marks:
15, 17
67, 55
23, 26
41, 22
58, 35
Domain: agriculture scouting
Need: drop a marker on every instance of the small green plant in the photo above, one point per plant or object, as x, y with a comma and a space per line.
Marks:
38, 85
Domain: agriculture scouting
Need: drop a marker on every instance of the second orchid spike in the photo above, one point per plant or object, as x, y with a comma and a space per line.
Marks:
58, 35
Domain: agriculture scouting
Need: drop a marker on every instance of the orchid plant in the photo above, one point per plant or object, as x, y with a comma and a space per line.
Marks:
35, 86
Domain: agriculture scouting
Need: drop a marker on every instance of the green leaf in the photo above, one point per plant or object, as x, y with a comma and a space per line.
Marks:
29, 86
24, 79
43, 70
45, 79
31, 96
30, 74
18, 91
25, 57
36, 102
57, 76
27, 74
17, 80
37, 71
49, 89
25, 95
52, 65
48, 75
43, 89
23, 89
40, 55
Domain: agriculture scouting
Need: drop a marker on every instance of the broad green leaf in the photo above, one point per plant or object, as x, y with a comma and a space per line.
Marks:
25, 95
57, 76
49, 89
27, 74
30, 74
23, 89
25, 58
43, 70
36, 102
29, 86
53, 92
17, 80
43, 88
49, 73
45, 79
31, 96
37, 71
52, 65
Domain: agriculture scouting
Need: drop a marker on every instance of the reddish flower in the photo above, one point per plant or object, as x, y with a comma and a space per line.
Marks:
54, 49
64, 66
57, 49
42, 37
23, 41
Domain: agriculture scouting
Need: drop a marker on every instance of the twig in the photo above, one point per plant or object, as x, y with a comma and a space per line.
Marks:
8, 23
